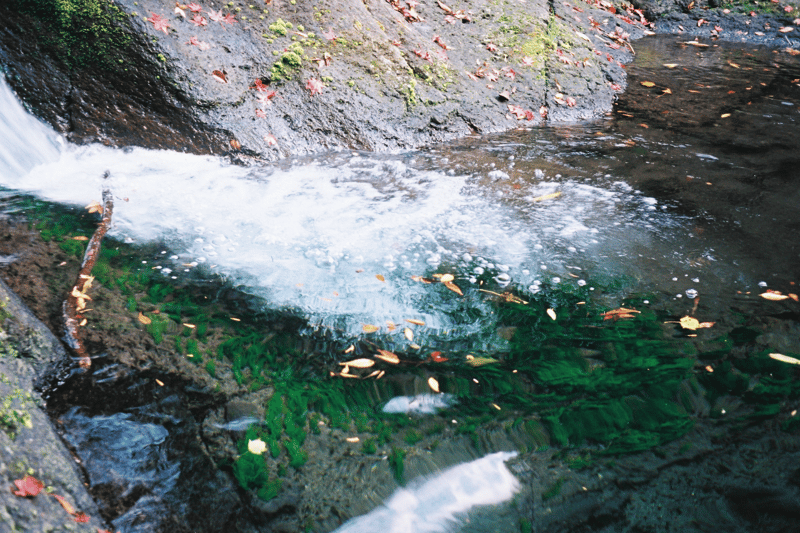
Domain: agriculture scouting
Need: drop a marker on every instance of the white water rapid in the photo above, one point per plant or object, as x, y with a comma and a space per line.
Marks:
316, 236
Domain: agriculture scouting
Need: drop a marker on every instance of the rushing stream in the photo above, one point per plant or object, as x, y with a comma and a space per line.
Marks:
668, 194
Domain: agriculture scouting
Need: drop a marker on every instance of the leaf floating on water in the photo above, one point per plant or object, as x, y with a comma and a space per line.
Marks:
785, 358
619, 313
480, 361
453, 287
725, 115
433, 384
358, 363
415, 321
670, 65
143, 319
773, 296
546, 197
391, 326
690, 323
648, 84
369, 328
380, 277
551, 313
350, 349
446, 277
414, 346
80, 238
388, 357
352, 439
437, 357
408, 334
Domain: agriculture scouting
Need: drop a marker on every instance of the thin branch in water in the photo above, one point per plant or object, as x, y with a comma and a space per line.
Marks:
75, 304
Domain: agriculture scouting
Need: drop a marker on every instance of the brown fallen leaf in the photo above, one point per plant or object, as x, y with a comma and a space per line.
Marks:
546, 197
453, 287
648, 84
408, 334
143, 319
446, 277
415, 321
691, 323
388, 357
369, 328
358, 363
480, 361
773, 296
219, 76
785, 358
380, 277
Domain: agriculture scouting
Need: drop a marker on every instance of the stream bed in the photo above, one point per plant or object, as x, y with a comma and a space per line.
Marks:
681, 203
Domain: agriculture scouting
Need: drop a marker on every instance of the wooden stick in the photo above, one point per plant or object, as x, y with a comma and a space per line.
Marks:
76, 299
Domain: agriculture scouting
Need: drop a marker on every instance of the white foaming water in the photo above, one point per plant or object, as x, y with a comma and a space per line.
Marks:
316, 236
434, 505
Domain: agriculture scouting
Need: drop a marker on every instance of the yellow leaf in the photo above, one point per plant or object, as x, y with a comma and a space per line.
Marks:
785, 358
143, 319
546, 197
725, 115
387, 356
648, 84
408, 333
688, 322
480, 361
160, 383
95, 207
380, 278
667, 91
670, 65
80, 238
391, 326
83, 322
359, 363
433, 384
369, 328
190, 326
446, 277
734, 65
350, 349
352, 439
551, 313
65, 504
453, 287
774, 296
415, 321
414, 346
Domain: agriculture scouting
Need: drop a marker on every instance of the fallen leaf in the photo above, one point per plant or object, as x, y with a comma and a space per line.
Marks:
199, 20
256, 446
551, 313
773, 296
80, 238
352, 439
95, 207
388, 357
546, 197
369, 328
236, 145
734, 65
670, 65
219, 76
159, 23
271, 140
380, 277
619, 313
329, 35
725, 115
195, 7
315, 86
408, 334
433, 384
691, 323
437, 357
785, 358
446, 277
28, 486
359, 363
471, 360
648, 84
786, 29
65, 504
453, 287
159, 383
350, 349
143, 319
415, 321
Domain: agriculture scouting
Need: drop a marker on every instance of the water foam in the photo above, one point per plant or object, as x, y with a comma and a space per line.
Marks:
435, 504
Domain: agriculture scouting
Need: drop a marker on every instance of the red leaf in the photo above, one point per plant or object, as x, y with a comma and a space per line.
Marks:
330, 35
229, 19
438, 40
437, 357
159, 22
199, 20
28, 486
259, 86
491, 47
219, 76
216, 16
260, 113
195, 8
81, 518
315, 86
271, 140
200, 44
